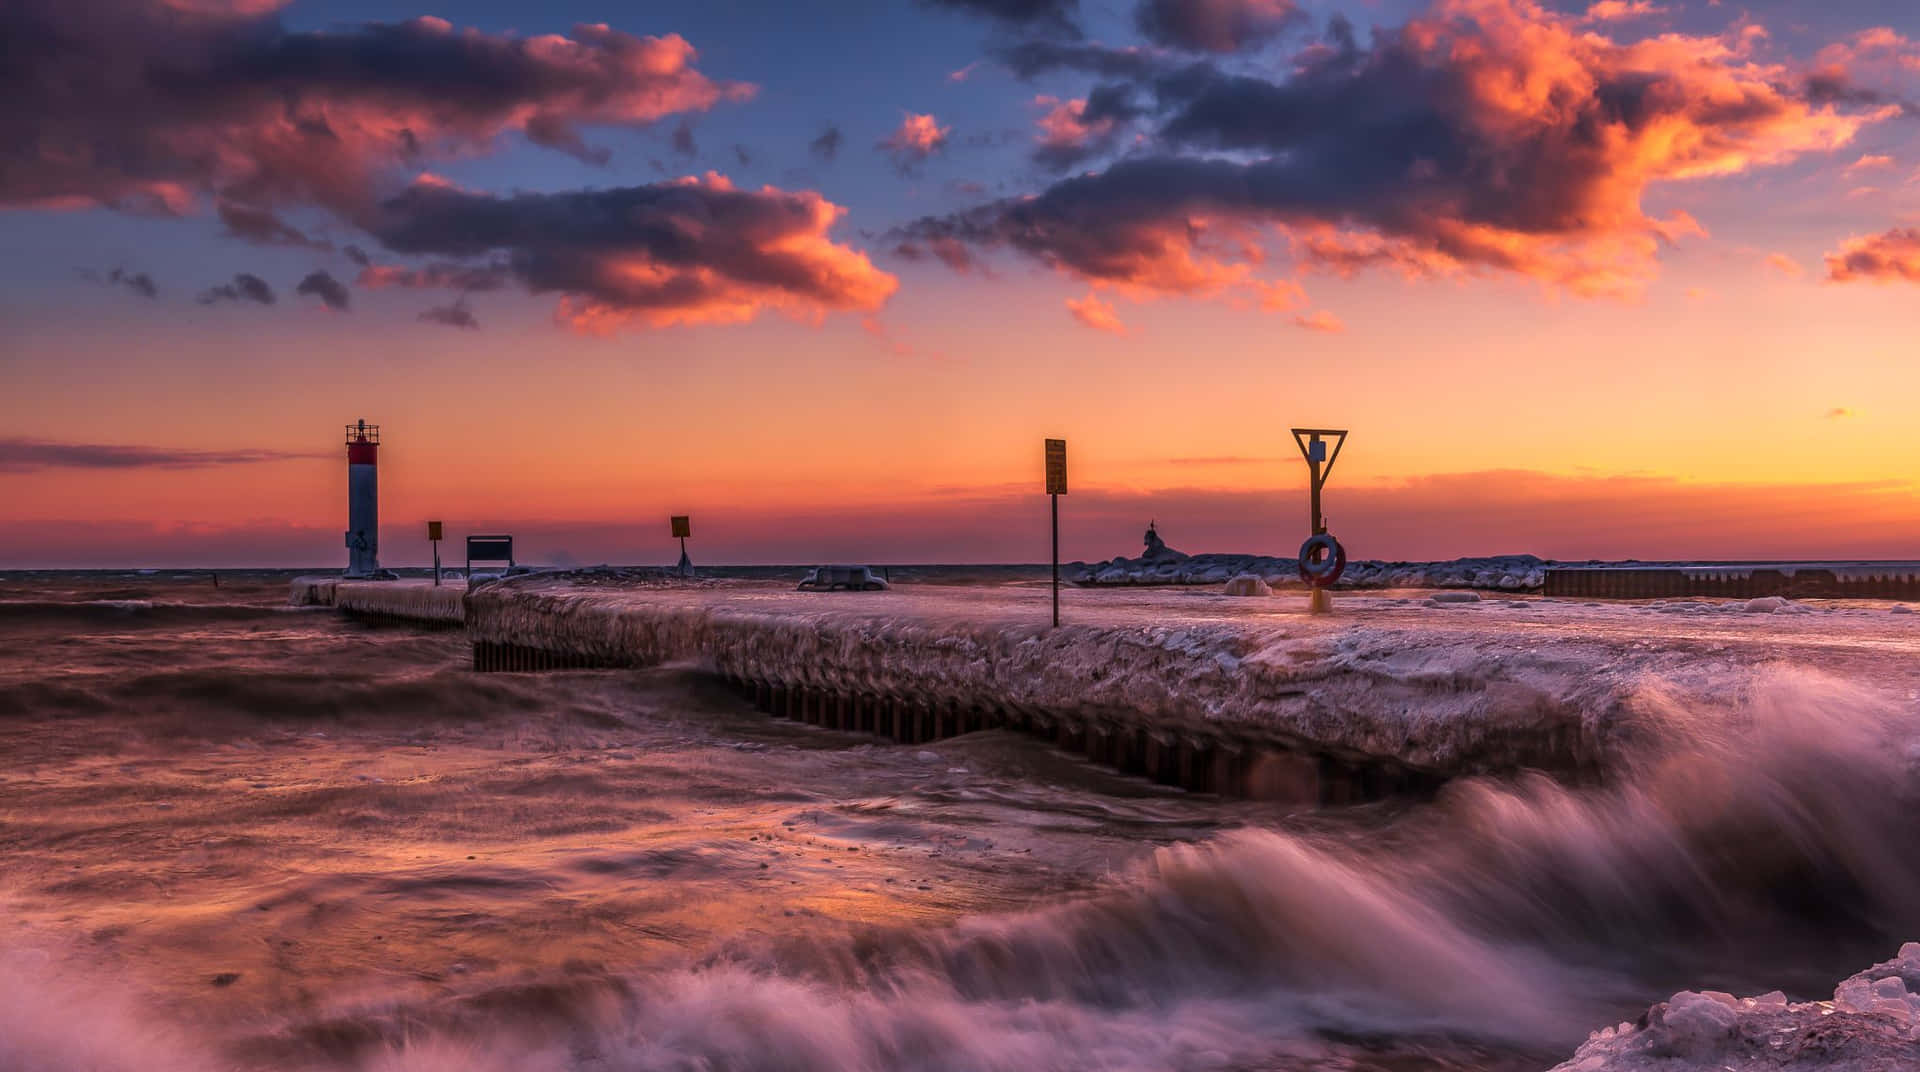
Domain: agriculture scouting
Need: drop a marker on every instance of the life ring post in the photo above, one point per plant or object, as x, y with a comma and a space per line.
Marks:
1321, 552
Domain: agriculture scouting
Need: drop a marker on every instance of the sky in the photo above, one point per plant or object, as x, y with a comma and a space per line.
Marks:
1613, 279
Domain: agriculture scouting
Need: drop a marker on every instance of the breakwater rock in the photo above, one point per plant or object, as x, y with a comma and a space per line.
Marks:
1871, 1025
1506, 573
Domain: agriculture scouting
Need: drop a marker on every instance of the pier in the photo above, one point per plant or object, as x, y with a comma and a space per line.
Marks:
1247, 697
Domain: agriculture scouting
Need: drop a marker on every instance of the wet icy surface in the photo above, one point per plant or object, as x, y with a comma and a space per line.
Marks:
1413, 677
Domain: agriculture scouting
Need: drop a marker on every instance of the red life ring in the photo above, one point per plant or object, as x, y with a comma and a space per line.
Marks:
1324, 573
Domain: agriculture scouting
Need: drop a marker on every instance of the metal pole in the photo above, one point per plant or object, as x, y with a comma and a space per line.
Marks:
436, 563
1056, 560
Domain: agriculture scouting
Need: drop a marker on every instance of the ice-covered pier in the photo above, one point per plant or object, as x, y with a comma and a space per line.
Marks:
402, 602
1396, 692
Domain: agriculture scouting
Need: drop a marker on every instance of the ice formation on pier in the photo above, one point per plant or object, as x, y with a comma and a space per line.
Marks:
1872, 1024
1511, 573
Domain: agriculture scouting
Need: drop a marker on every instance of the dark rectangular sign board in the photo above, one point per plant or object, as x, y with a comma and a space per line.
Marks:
1056, 467
433, 530
682, 527
490, 549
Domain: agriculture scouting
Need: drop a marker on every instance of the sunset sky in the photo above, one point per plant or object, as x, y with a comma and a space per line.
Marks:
1628, 278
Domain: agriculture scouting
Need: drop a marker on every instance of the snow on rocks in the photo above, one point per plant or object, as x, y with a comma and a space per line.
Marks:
1248, 585
1872, 1024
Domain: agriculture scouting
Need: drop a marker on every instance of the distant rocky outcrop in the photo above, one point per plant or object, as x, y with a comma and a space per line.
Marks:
1506, 573
1157, 552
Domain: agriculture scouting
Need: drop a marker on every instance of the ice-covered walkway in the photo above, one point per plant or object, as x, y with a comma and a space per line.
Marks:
1395, 678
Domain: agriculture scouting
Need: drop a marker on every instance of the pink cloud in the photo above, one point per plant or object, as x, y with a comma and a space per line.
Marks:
917, 137
220, 99
1096, 314
1892, 256
1514, 96
1622, 10
1321, 321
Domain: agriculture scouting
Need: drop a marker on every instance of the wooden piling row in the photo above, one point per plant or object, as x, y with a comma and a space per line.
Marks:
1198, 762
1201, 763
515, 658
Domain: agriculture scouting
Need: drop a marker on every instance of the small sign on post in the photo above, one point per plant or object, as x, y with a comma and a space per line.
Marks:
1056, 487
683, 528
433, 537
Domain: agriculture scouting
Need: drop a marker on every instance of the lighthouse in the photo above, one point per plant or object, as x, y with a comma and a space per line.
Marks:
363, 500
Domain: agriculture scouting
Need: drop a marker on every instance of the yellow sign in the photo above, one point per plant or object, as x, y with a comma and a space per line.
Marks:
1056, 467
433, 530
682, 527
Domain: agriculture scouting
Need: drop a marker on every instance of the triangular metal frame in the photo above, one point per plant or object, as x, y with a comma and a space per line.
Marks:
1303, 436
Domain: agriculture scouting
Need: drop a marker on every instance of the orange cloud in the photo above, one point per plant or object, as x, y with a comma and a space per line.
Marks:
1322, 321
692, 251
1621, 10
189, 112
916, 138
1785, 265
1096, 314
1531, 163
1870, 162
1893, 256
1066, 135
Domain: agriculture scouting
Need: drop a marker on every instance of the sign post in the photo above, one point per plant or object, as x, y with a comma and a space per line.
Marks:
433, 535
1313, 446
683, 528
1056, 487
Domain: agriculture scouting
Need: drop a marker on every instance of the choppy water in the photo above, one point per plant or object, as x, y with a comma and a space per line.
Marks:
236, 835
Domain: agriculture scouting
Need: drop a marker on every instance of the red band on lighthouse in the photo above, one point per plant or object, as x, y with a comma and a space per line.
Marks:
362, 453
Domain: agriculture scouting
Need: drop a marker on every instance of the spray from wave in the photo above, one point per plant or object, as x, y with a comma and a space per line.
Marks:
1756, 838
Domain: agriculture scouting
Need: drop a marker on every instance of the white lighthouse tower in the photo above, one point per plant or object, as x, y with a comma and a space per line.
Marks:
363, 500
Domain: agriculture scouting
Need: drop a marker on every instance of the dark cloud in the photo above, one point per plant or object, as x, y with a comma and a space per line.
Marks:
1215, 25
827, 145
1031, 59
689, 251
244, 288
357, 255
682, 140
257, 224
150, 105
1490, 135
741, 154
456, 315
139, 282
323, 285
1837, 87
1041, 16
20, 455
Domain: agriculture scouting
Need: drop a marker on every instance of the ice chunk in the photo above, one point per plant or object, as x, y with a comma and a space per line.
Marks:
1248, 585
1696, 1025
